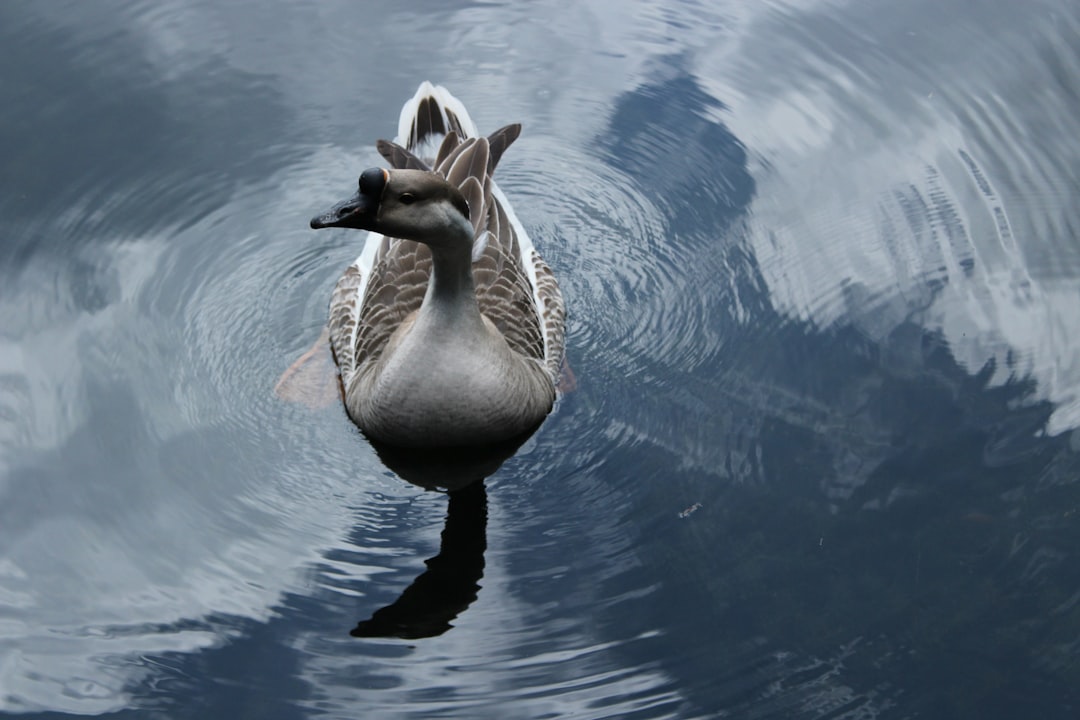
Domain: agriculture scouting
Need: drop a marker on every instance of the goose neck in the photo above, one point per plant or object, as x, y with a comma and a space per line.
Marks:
451, 294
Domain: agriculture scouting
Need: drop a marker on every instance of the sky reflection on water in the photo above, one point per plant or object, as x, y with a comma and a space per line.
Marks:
821, 265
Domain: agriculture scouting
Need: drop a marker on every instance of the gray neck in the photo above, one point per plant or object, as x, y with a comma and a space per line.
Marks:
450, 302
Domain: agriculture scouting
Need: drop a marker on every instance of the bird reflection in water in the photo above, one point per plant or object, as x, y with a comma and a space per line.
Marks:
452, 579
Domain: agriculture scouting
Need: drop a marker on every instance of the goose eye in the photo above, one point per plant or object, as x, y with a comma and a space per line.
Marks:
407, 198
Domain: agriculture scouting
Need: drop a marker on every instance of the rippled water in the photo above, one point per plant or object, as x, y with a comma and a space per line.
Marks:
822, 269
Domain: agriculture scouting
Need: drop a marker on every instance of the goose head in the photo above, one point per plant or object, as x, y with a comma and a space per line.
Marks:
410, 204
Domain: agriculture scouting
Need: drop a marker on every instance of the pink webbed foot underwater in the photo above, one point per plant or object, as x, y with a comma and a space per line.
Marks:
313, 379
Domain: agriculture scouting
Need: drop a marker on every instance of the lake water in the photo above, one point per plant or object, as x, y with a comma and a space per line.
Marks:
822, 268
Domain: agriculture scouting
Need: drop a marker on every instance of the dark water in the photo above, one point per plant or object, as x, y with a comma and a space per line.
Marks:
823, 274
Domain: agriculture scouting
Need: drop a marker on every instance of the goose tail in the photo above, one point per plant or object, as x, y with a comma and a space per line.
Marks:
428, 117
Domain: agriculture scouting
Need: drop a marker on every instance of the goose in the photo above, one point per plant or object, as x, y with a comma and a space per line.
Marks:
448, 330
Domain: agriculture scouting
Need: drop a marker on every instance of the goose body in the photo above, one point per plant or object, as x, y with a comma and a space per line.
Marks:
448, 328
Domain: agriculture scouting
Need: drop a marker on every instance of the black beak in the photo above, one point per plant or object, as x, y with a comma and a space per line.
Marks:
356, 212
361, 209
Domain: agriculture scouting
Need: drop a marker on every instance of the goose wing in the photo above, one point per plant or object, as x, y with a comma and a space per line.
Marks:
515, 288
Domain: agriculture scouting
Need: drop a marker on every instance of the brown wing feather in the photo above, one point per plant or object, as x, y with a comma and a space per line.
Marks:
451, 141
470, 161
499, 141
443, 168
503, 289
399, 279
342, 322
554, 316
400, 157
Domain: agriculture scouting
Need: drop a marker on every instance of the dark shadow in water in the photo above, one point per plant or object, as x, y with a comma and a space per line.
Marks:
661, 134
452, 580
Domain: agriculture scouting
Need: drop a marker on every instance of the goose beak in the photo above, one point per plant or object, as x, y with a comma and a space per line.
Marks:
360, 210
356, 212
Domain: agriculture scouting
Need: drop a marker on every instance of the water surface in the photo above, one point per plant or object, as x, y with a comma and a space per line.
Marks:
822, 270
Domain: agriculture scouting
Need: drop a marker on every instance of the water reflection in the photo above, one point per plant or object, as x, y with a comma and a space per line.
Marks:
808, 441
822, 268
916, 185
451, 581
